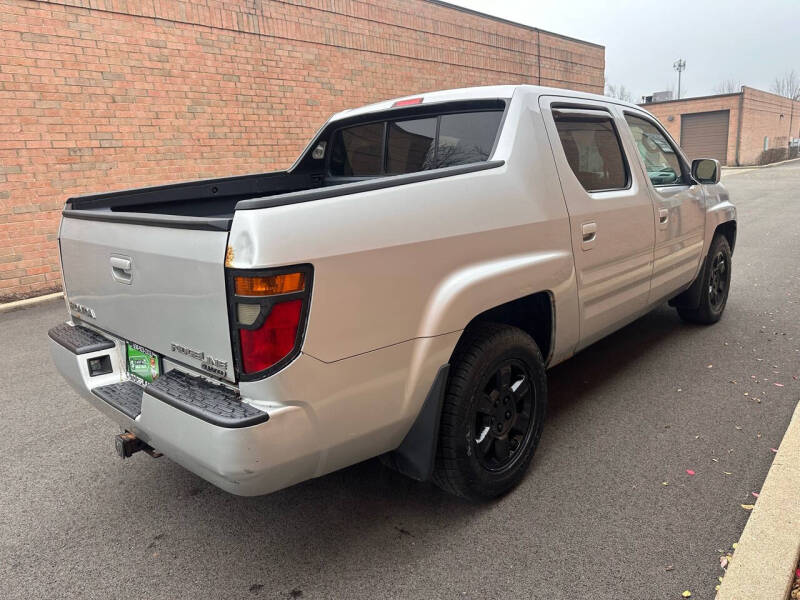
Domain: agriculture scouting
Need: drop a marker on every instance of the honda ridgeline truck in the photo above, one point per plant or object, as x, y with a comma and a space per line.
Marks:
400, 291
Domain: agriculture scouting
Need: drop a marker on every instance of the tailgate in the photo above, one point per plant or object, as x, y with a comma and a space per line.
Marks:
160, 287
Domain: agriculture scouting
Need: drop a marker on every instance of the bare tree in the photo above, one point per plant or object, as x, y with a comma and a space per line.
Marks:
787, 85
728, 86
620, 92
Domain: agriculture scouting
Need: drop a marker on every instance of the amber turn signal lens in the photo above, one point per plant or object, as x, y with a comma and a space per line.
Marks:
270, 285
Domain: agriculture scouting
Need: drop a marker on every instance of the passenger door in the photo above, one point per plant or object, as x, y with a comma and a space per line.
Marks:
610, 211
680, 214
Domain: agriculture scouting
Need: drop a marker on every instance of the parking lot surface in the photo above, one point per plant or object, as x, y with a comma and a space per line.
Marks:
608, 509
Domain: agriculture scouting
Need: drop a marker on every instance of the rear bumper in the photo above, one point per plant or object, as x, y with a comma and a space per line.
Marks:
205, 428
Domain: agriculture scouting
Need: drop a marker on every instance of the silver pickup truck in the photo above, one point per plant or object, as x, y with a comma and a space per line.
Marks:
399, 291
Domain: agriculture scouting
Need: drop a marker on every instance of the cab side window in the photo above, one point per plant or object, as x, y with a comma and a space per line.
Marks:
660, 159
593, 150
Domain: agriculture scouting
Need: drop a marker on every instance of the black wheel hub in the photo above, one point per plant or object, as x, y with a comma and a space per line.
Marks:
504, 415
718, 281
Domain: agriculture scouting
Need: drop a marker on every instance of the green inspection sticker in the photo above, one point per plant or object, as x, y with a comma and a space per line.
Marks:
142, 364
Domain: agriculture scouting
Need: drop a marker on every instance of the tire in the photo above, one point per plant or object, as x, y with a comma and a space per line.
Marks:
483, 453
716, 285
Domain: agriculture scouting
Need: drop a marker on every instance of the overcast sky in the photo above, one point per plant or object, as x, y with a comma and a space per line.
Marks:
749, 41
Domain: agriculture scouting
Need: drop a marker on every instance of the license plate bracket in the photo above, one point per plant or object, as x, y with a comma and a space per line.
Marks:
143, 365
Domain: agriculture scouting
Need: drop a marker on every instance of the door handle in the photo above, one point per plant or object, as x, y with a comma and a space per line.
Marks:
663, 216
589, 235
121, 269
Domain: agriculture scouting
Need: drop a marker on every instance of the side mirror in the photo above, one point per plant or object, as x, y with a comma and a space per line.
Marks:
706, 170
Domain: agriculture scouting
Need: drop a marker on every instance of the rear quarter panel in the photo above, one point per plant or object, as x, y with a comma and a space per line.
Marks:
400, 272
423, 259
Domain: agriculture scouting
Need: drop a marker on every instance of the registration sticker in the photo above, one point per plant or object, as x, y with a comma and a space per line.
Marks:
143, 365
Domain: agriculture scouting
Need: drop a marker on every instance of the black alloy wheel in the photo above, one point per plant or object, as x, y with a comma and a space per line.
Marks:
718, 282
493, 412
504, 415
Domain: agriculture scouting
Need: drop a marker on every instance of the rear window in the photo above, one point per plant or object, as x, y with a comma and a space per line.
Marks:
412, 145
466, 138
358, 150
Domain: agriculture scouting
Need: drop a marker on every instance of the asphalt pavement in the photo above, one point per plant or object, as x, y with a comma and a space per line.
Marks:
593, 519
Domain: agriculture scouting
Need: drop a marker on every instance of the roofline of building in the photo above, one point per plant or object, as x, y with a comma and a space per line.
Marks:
691, 98
718, 96
509, 22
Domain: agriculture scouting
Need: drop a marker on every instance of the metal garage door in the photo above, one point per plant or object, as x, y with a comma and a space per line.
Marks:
705, 135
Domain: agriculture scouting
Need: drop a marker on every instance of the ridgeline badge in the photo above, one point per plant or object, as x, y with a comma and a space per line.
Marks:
207, 362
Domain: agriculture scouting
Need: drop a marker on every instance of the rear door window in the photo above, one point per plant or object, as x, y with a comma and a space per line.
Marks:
594, 152
411, 145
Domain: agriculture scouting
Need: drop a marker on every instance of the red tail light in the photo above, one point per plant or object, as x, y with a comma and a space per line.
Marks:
268, 312
265, 346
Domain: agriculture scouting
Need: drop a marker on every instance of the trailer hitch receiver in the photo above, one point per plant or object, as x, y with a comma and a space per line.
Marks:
127, 444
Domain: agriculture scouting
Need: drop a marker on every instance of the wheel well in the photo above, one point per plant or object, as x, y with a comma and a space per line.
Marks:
533, 314
728, 229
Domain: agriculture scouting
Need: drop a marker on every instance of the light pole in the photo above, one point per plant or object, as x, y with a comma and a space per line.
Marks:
679, 65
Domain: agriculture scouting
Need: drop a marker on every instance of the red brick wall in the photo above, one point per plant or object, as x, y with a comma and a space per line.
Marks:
664, 110
766, 115
761, 117
129, 93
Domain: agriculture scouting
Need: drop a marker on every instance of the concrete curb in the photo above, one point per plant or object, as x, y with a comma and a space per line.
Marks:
29, 301
748, 167
766, 555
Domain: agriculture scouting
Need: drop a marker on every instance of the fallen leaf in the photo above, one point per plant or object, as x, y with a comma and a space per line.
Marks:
735, 545
726, 473
747, 506
689, 471
669, 568
687, 594
723, 562
773, 450
664, 483
778, 384
709, 366
715, 459
755, 494
739, 427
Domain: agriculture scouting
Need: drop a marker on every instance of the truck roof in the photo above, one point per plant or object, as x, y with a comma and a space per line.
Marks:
474, 93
